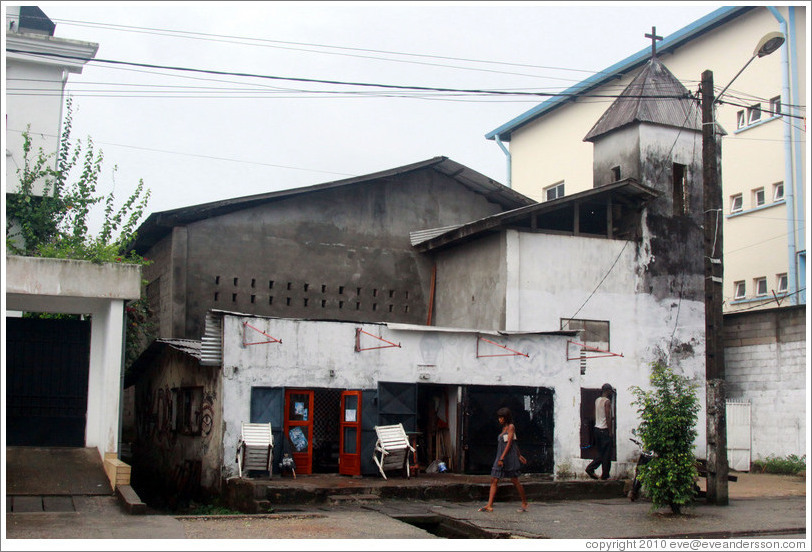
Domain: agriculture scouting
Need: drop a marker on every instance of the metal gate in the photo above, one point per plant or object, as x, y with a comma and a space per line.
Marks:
532, 409
738, 435
47, 365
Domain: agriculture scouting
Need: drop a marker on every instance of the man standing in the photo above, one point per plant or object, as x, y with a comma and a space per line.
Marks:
604, 433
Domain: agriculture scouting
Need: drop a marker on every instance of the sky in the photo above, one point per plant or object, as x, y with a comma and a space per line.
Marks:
196, 137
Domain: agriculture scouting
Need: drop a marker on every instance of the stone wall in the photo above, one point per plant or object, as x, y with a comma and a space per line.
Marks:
765, 364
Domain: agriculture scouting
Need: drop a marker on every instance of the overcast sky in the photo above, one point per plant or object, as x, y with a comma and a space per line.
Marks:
197, 137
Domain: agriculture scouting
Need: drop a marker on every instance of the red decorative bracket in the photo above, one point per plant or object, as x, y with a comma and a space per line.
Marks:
511, 353
358, 348
583, 347
246, 325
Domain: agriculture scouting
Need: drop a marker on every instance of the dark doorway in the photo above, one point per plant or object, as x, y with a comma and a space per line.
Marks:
47, 366
532, 409
588, 449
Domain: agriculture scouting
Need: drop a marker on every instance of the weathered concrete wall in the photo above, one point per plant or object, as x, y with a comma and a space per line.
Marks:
340, 253
620, 148
310, 350
166, 457
765, 364
551, 278
471, 280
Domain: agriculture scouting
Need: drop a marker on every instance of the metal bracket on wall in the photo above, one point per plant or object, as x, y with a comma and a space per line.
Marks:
246, 325
511, 353
583, 347
358, 348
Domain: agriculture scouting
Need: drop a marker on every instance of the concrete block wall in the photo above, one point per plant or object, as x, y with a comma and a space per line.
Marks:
765, 364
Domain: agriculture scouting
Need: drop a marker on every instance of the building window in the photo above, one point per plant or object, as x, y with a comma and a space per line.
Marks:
189, 400
615, 174
754, 114
740, 290
554, 192
758, 197
760, 284
678, 174
778, 191
781, 283
741, 119
775, 107
594, 333
736, 203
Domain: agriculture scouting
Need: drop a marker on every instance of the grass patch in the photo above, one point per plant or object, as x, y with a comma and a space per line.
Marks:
791, 464
213, 509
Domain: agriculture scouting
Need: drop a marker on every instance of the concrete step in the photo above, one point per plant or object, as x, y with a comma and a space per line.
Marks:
337, 500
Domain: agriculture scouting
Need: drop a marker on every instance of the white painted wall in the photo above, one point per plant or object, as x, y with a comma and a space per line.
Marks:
310, 349
43, 82
552, 277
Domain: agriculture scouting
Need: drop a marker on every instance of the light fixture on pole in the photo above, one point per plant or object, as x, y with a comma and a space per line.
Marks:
716, 430
768, 44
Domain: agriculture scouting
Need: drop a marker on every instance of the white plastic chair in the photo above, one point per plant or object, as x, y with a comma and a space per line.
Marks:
255, 448
392, 449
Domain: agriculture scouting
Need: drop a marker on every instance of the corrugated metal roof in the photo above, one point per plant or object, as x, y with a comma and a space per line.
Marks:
654, 96
628, 190
623, 67
190, 347
211, 345
419, 236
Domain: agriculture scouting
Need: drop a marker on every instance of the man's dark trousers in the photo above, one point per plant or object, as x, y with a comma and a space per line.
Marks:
603, 442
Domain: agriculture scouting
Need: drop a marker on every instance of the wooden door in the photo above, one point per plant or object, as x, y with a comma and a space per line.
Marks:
349, 457
299, 427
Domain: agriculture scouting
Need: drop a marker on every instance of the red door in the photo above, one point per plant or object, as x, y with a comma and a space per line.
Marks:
349, 456
299, 427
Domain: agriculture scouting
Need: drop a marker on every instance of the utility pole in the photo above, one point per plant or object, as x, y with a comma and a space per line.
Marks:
716, 436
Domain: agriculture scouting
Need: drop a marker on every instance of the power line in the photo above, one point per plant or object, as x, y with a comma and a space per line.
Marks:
155, 150
334, 82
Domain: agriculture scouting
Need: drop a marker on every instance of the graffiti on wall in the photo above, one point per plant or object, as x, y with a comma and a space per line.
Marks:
207, 414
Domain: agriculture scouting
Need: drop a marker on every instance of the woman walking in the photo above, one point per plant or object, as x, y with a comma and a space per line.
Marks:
507, 463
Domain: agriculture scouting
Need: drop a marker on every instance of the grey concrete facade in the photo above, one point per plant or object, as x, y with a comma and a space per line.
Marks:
766, 365
340, 253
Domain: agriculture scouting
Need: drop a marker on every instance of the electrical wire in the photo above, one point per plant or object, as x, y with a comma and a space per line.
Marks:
330, 81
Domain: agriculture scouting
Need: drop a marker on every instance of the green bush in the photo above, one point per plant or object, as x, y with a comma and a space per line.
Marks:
668, 428
792, 464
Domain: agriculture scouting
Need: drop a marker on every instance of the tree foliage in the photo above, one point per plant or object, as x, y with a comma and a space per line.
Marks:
55, 222
668, 428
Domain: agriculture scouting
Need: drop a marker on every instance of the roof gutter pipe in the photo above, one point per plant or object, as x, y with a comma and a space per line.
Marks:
789, 181
508, 157
800, 216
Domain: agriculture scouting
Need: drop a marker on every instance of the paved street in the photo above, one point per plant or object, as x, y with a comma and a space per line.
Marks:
779, 511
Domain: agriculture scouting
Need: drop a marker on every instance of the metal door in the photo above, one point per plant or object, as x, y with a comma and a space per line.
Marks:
532, 410
268, 405
299, 427
349, 456
397, 404
47, 364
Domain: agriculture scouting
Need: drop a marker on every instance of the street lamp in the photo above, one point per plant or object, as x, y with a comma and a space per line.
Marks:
716, 430
768, 44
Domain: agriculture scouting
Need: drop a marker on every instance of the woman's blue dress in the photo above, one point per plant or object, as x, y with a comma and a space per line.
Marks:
511, 466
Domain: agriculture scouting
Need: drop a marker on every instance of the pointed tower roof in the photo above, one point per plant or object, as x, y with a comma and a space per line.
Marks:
654, 96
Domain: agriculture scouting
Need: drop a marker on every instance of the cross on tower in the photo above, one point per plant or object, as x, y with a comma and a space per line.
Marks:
654, 38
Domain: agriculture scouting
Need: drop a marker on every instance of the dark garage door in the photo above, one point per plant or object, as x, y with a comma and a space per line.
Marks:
47, 364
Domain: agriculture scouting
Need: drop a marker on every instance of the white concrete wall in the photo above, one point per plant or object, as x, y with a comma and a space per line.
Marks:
310, 349
80, 287
41, 83
551, 277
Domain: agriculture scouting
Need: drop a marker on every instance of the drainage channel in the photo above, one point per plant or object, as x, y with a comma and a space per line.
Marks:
448, 528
